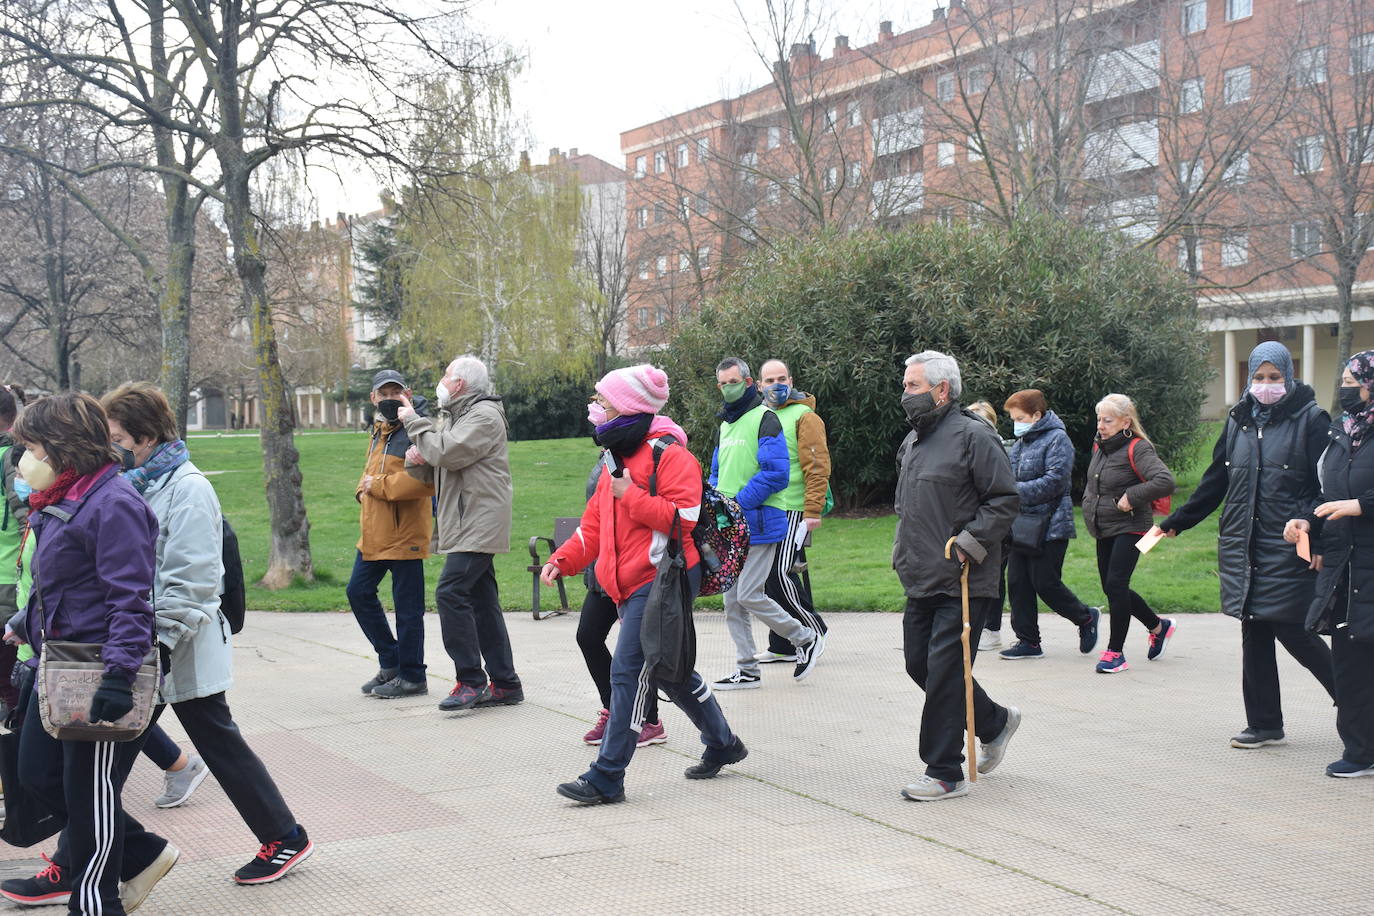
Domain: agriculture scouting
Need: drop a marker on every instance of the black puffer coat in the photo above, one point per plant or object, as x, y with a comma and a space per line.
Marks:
1346, 544
1110, 476
1266, 474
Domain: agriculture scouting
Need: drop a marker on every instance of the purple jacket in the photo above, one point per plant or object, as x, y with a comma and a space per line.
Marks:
95, 560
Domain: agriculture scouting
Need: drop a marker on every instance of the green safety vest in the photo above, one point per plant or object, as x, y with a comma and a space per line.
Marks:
10, 532
737, 457
791, 498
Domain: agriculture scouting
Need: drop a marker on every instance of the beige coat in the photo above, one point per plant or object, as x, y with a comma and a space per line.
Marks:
466, 457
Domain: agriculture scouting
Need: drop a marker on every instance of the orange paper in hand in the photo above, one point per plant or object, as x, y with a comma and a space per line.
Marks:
1304, 546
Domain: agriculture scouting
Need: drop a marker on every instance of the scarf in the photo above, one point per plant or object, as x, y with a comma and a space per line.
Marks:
41, 499
1275, 353
624, 434
166, 458
733, 410
1357, 425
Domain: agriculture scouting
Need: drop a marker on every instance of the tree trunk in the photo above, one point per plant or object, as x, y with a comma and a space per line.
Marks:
289, 555
1345, 330
174, 307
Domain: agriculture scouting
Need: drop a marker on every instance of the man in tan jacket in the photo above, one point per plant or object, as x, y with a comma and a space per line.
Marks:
464, 452
397, 521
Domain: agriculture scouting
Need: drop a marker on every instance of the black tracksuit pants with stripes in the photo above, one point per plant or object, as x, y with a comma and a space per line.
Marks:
81, 782
787, 589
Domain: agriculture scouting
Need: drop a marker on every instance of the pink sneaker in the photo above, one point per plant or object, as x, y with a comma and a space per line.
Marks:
651, 733
594, 736
1112, 663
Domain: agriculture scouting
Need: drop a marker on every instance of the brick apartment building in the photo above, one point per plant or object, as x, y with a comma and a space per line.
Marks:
1235, 137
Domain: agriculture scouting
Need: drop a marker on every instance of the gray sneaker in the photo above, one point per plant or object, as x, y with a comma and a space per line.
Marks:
1259, 737
178, 786
381, 677
993, 751
400, 687
133, 892
928, 788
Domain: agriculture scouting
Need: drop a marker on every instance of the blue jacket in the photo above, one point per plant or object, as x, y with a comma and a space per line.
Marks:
1042, 461
95, 564
767, 524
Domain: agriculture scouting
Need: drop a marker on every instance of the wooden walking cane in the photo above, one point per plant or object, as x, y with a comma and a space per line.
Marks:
972, 752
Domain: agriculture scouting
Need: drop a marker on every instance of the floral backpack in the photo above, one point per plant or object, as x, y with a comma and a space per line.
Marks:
721, 532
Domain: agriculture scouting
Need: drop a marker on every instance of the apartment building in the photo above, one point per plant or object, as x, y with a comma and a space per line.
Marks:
1234, 137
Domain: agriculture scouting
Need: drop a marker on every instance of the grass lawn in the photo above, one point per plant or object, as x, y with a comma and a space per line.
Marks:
850, 561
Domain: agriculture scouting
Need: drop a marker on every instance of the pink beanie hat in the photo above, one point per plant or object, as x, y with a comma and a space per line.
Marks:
636, 389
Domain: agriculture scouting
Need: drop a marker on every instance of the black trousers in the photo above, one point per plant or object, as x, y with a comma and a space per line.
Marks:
1031, 580
81, 782
994, 621
470, 620
1116, 559
931, 628
593, 626
787, 588
1260, 670
1353, 663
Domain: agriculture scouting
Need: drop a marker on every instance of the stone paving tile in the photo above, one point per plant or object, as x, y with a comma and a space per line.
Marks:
1119, 794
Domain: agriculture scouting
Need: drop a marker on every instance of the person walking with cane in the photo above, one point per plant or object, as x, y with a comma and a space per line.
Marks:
956, 499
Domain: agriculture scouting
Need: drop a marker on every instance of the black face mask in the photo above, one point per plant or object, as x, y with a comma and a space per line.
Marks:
127, 461
388, 408
1350, 399
917, 406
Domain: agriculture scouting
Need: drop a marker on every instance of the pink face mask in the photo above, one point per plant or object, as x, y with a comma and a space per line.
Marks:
1268, 392
596, 414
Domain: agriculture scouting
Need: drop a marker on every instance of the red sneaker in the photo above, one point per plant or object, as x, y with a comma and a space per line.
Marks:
652, 733
598, 731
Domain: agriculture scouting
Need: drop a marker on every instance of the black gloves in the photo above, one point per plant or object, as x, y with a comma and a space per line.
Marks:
113, 699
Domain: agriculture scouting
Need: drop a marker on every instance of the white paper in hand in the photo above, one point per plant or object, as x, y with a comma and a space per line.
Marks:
800, 540
1148, 541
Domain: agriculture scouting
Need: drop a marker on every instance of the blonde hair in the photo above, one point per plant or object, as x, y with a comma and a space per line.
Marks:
985, 411
1121, 406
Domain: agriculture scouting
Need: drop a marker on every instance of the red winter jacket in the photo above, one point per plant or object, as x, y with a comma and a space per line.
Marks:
627, 536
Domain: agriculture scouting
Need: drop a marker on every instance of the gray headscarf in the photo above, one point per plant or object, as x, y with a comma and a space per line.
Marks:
1271, 351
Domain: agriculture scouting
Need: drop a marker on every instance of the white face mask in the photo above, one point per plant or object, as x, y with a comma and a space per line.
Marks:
36, 471
442, 394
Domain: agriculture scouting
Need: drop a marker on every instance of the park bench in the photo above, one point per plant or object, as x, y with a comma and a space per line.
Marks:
563, 529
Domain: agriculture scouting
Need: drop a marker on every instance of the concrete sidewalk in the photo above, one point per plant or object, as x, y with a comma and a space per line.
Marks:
1119, 793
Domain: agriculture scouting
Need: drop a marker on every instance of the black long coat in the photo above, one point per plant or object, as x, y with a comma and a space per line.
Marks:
1346, 544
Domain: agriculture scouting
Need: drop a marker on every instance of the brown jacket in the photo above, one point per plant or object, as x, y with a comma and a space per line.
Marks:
1110, 475
397, 517
813, 454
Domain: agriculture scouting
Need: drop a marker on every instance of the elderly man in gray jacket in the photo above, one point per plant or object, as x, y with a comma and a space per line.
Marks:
954, 481
464, 453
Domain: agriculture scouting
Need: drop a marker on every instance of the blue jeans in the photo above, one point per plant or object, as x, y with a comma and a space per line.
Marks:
629, 692
406, 649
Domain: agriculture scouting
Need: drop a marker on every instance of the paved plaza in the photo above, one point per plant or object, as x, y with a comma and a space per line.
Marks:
1118, 794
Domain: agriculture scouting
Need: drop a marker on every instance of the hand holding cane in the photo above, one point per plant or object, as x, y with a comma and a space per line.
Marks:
972, 752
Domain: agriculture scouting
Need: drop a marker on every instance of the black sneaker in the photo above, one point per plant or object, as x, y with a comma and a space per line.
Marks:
807, 655
400, 687
381, 677
740, 680
1022, 650
1087, 632
502, 696
464, 696
584, 793
1349, 769
707, 769
50, 886
1158, 641
276, 858
1259, 737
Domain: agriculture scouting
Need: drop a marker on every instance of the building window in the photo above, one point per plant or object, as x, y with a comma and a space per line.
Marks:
832, 118
682, 156
832, 178
1025, 63
684, 263
703, 203
703, 148
642, 217
945, 216
774, 136
1309, 69
1190, 175
660, 212
1237, 9
749, 165
1307, 155
1194, 16
773, 193
1190, 95
1236, 85
643, 317
1362, 53
660, 162
1025, 133
1360, 145
977, 79
944, 153
1238, 170
975, 150
1235, 250
1183, 254
704, 257
944, 87
856, 114
1307, 240
856, 174
641, 168
684, 207
643, 270
662, 264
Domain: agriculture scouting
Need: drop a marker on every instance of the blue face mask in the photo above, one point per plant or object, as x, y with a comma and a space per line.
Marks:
1020, 428
776, 396
22, 489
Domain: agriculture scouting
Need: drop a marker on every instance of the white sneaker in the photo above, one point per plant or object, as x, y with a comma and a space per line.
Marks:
768, 658
928, 788
133, 892
990, 641
740, 680
178, 786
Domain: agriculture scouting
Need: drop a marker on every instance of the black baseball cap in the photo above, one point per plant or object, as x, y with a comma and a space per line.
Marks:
388, 377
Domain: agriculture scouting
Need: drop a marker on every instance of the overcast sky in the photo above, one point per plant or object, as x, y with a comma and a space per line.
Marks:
599, 67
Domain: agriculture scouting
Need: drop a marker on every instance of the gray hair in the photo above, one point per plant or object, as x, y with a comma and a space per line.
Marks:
734, 362
473, 372
940, 367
